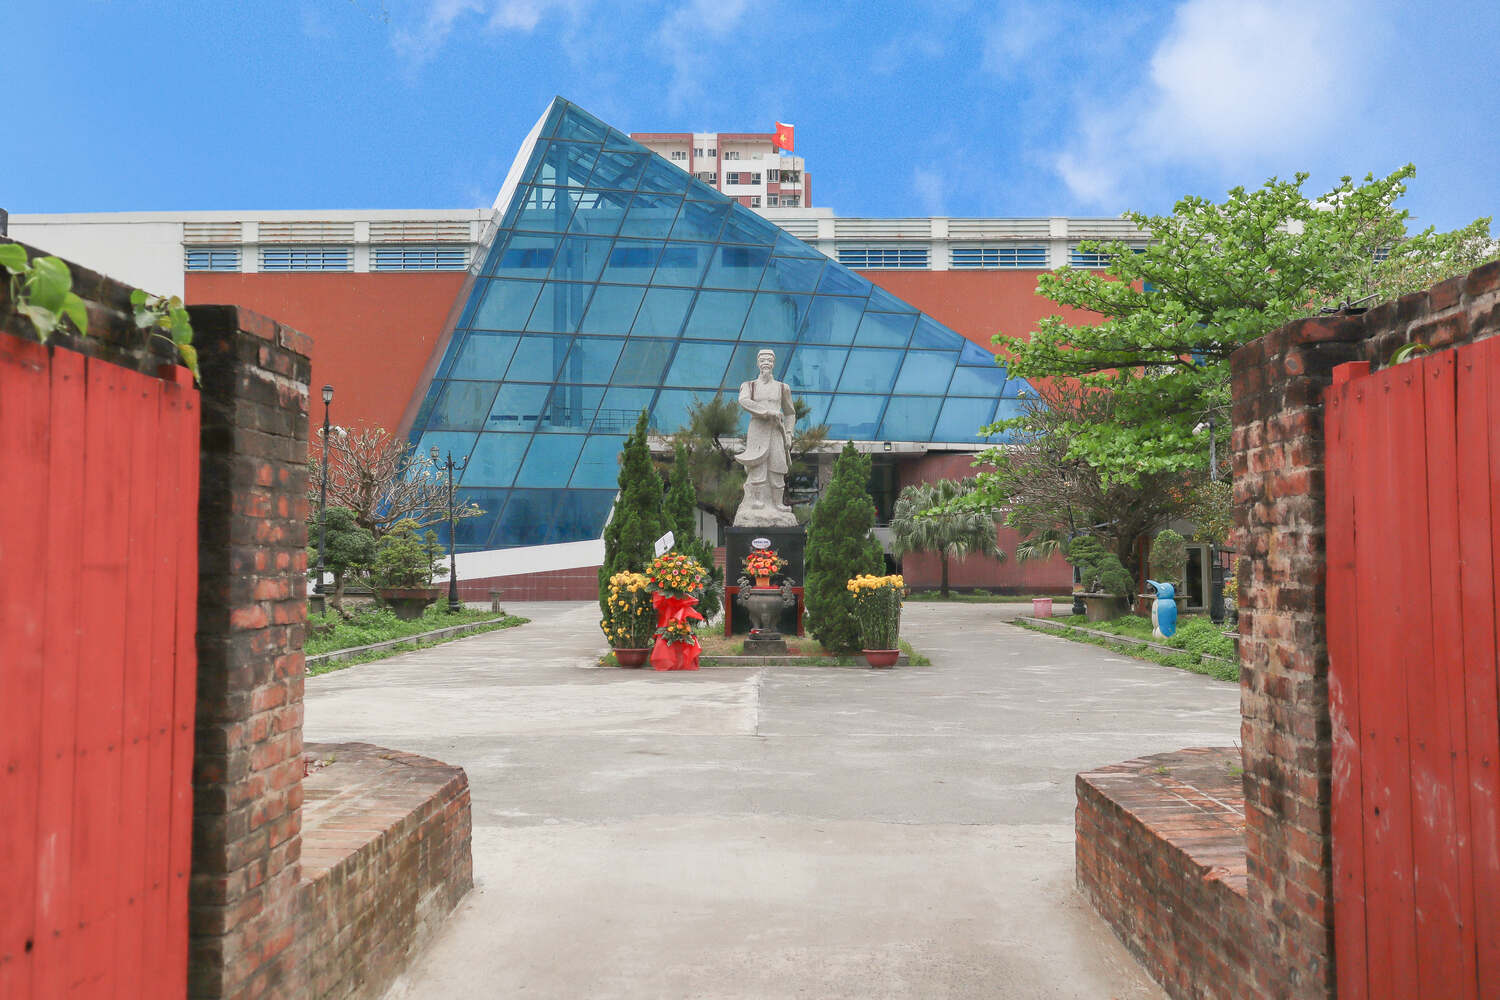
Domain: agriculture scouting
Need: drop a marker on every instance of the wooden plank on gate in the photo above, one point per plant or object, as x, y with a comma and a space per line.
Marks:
1478, 406
24, 447
61, 615
140, 413
185, 674
97, 799
1385, 763
1431, 817
1343, 449
163, 641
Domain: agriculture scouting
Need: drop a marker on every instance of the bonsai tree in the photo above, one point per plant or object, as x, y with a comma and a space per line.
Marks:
351, 548
1113, 577
406, 559
639, 518
1084, 554
682, 517
840, 546
925, 519
1169, 558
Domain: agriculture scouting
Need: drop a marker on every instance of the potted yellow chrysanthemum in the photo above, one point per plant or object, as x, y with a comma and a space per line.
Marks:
629, 620
877, 608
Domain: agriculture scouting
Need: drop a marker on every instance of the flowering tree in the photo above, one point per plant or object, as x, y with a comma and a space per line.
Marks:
382, 479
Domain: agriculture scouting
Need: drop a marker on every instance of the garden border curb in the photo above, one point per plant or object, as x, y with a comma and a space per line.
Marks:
450, 632
1059, 628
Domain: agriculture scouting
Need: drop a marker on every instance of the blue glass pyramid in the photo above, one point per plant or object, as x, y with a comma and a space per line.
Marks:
616, 282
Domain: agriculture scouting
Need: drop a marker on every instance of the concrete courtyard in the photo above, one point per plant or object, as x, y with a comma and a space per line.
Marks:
776, 832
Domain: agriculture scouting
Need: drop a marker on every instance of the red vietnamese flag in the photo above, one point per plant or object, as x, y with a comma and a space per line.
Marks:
784, 137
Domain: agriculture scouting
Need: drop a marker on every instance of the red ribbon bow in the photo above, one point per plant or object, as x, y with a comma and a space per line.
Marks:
674, 655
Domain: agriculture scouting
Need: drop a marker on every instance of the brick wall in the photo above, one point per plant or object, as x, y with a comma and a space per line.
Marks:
247, 769
1279, 502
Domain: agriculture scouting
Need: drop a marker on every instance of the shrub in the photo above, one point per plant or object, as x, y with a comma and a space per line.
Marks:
639, 517
1113, 577
407, 559
840, 544
877, 608
1084, 554
1169, 558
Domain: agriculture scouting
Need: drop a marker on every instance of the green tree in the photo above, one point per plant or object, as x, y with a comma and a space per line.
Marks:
926, 519
351, 548
1214, 277
682, 518
1169, 558
639, 518
841, 545
406, 558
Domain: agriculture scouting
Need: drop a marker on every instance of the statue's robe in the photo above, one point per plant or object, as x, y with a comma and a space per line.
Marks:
772, 417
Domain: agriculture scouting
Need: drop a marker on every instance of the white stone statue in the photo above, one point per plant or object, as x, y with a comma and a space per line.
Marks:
768, 448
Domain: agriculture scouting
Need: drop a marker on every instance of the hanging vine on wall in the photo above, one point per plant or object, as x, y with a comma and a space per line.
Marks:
166, 318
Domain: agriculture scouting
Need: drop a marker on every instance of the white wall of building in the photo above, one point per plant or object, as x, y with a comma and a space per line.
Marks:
141, 249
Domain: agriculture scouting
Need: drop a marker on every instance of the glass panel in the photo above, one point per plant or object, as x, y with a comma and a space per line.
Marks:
621, 407
934, 336
572, 408
581, 258
775, 316
832, 320
506, 305
473, 534
700, 191
459, 443
718, 316
574, 123
855, 417
789, 246
978, 381
619, 140
567, 164
599, 212
682, 264
699, 221
670, 414
559, 308
744, 226
1007, 408
618, 170
736, 267
662, 176
527, 518
700, 364
613, 309
495, 459
525, 257
925, 373
817, 409
599, 463
885, 329
870, 371
839, 280
651, 214
961, 419
544, 209
462, 406
580, 515
642, 362
791, 274
550, 460
537, 358
429, 401
883, 301
517, 407
485, 356
662, 311
816, 368
631, 262
591, 359
973, 354
909, 418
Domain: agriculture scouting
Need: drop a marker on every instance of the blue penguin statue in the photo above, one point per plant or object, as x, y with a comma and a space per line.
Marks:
1163, 610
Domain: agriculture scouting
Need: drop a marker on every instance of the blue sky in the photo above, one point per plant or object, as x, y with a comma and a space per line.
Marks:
1026, 108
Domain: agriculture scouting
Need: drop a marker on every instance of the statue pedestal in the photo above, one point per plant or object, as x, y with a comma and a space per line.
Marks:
791, 545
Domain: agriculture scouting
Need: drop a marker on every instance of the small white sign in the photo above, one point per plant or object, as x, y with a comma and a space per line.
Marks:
665, 543
760, 543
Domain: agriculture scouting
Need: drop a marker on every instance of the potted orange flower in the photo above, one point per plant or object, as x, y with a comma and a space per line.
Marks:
761, 564
676, 583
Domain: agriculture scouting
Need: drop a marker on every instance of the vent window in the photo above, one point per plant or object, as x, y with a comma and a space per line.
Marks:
418, 258
1000, 257
882, 258
305, 258
212, 258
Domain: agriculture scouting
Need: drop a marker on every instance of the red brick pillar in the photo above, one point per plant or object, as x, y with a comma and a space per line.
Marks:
247, 765
1285, 729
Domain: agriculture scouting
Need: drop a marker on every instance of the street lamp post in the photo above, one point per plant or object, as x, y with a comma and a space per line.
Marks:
450, 465
323, 491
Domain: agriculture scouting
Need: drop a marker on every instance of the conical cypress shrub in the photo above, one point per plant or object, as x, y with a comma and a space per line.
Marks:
639, 518
840, 546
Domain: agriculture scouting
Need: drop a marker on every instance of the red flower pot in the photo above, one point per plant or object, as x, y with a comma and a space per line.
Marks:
631, 657
882, 657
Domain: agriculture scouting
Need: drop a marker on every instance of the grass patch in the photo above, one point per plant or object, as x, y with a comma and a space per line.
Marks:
1186, 639
1195, 633
329, 633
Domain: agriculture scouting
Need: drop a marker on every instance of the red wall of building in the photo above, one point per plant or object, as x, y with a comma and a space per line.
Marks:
372, 333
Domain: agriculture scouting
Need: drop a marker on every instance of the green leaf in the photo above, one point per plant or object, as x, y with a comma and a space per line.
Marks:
189, 355
1407, 352
45, 320
73, 307
138, 297
13, 257
182, 330
49, 284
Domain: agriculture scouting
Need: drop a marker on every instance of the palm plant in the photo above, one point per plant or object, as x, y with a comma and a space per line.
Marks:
926, 519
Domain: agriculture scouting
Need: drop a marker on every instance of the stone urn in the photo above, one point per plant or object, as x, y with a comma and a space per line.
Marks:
764, 605
1101, 607
408, 603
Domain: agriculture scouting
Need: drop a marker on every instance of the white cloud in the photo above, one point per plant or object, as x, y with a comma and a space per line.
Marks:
1018, 29
931, 190
680, 38
1234, 85
439, 18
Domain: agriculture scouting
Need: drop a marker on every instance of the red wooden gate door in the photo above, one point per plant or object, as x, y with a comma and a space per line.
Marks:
1413, 487
98, 607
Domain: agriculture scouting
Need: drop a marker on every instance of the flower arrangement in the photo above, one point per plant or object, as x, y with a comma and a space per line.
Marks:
675, 632
629, 619
763, 562
675, 574
877, 608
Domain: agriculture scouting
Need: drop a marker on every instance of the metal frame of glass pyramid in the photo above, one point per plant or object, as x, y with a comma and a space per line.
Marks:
616, 282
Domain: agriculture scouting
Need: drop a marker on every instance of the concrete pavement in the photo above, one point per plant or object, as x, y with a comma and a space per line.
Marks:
774, 832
